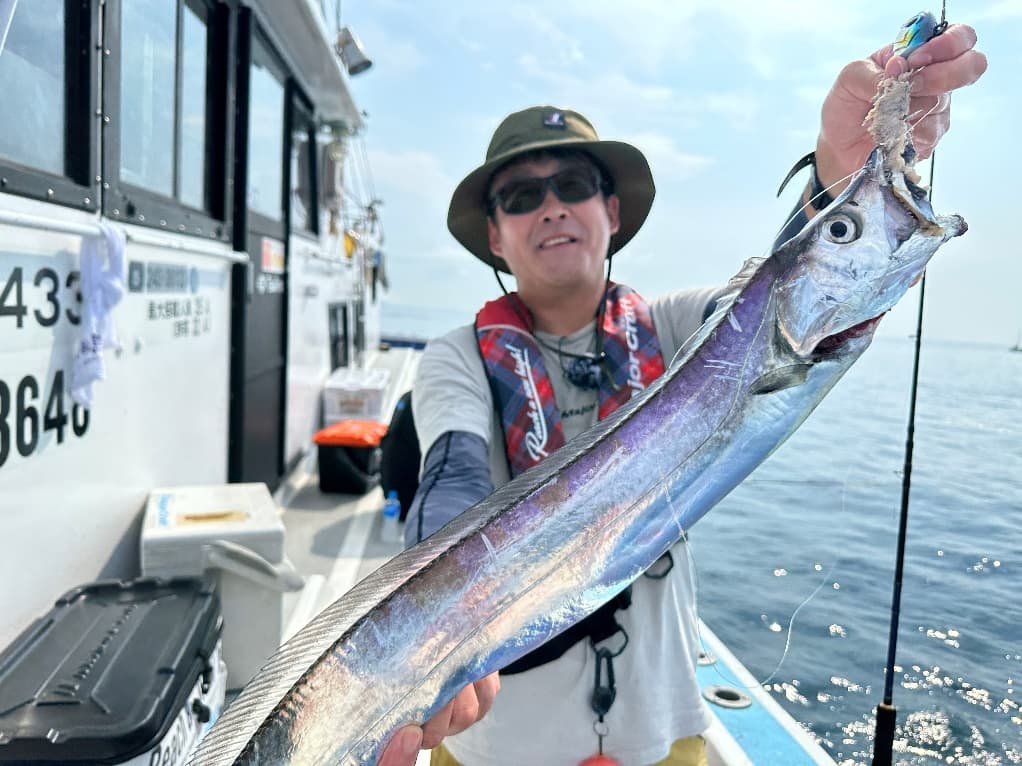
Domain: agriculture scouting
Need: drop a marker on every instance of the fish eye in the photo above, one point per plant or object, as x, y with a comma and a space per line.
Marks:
841, 229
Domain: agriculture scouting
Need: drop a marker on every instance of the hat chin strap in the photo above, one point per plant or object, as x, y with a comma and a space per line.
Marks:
598, 357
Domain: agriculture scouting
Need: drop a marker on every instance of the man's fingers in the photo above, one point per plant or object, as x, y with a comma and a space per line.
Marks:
944, 63
923, 108
468, 707
465, 711
952, 43
486, 691
945, 76
926, 133
436, 728
403, 748
858, 81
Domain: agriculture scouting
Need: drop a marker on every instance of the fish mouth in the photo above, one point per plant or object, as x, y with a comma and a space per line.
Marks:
911, 201
907, 207
834, 343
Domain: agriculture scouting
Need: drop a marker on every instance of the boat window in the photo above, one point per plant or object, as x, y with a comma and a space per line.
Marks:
338, 318
192, 130
167, 100
358, 309
47, 61
265, 135
32, 83
303, 163
148, 80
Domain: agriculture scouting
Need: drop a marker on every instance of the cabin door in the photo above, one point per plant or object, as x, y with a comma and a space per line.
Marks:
259, 354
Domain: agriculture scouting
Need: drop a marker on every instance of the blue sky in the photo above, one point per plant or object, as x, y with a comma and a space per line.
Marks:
722, 98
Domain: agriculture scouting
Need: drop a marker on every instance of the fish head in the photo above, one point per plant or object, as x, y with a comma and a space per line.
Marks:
855, 259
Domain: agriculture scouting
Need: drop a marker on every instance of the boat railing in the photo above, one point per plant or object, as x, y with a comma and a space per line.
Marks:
153, 239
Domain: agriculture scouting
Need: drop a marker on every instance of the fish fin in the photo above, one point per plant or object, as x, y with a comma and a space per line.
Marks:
780, 379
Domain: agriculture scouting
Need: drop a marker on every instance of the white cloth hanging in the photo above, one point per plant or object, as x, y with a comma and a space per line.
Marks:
102, 266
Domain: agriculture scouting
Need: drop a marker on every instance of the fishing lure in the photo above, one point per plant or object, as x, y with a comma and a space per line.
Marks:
920, 29
887, 120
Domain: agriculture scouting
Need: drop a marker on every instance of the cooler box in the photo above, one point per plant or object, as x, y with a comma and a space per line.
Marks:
236, 531
352, 393
349, 456
115, 673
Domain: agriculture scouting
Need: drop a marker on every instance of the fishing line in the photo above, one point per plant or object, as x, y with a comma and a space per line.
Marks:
883, 738
791, 625
694, 575
886, 713
942, 100
804, 205
827, 576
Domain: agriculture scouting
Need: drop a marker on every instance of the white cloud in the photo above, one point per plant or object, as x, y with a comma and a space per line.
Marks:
740, 108
1006, 9
556, 44
465, 284
666, 158
613, 98
653, 35
812, 94
416, 173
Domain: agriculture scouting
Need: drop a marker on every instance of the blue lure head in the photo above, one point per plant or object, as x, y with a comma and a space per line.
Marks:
920, 29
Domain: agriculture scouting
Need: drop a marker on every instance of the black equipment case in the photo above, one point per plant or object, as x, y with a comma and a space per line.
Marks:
114, 673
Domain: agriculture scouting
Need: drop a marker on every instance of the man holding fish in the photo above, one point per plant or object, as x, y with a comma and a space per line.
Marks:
549, 205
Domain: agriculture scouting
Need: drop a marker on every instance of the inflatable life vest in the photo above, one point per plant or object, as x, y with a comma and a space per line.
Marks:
523, 393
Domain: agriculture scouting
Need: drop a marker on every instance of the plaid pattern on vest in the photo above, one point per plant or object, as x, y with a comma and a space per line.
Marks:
521, 385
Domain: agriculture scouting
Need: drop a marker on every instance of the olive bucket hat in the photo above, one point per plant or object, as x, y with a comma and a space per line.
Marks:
549, 128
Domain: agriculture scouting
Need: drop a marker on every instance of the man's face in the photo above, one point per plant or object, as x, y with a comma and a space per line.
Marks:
559, 244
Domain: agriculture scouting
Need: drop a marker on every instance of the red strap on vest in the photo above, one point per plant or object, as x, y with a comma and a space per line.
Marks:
522, 390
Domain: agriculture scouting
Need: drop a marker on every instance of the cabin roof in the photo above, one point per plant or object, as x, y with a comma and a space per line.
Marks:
291, 26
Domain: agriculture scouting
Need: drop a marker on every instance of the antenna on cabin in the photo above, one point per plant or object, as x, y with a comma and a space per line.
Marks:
7, 9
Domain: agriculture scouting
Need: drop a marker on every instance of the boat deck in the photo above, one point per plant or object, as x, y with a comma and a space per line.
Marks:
333, 539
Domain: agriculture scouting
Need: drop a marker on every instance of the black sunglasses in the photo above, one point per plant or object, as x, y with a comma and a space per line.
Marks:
527, 194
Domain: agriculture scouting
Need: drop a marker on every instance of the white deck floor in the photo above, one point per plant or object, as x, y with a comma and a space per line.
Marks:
334, 539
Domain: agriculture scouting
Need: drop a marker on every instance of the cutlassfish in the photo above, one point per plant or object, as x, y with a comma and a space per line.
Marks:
559, 540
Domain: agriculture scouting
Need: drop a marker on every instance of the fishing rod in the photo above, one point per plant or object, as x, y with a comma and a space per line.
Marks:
916, 31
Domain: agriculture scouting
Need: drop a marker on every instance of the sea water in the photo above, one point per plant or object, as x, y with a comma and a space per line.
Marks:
808, 543
795, 569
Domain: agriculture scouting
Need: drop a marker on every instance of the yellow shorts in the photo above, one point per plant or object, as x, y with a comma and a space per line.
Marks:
689, 751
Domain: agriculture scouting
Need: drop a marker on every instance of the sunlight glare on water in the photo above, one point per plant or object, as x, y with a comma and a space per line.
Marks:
827, 504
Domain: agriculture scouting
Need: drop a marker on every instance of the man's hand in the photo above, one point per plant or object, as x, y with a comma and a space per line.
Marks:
943, 64
472, 703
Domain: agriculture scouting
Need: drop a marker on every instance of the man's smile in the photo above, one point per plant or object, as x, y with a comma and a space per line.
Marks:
562, 239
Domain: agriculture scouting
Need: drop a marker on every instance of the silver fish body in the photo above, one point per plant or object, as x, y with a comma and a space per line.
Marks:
559, 540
